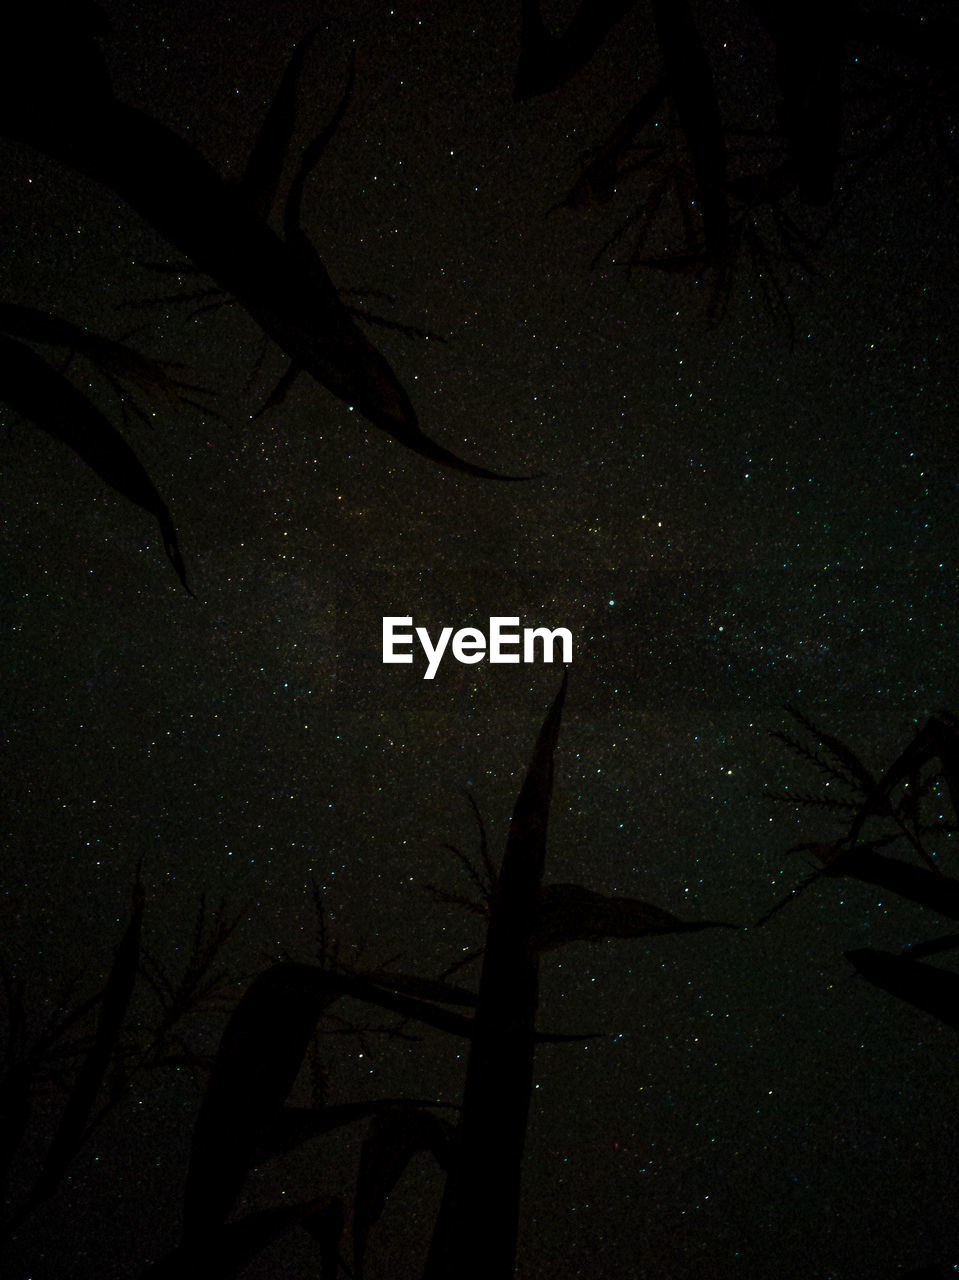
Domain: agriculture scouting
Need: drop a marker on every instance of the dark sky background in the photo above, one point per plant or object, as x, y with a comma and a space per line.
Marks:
726, 519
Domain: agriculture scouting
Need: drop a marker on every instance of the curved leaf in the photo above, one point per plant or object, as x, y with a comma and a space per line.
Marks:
933, 990
570, 913
115, 359
283, 286
38, 391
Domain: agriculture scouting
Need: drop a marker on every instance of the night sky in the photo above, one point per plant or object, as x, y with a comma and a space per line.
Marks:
737, 503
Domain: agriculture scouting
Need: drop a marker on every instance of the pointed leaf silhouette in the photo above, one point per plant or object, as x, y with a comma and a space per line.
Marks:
264, 169
570, 913
42, 394
933, 990
597, 182
931, 889
476, 1230
115, 359
75, 117
424, 988
938, 738
809, 55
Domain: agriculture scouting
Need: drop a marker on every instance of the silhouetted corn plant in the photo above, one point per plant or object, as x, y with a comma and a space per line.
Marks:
56, 95
717, 196
894, 806
476, 1232
245, 1118
46, 396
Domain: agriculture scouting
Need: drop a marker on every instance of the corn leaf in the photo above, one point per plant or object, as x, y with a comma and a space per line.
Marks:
113, 358
938, 738
258, 1060
808, 63
41, 393
597, 183
931, 889
570, 913
933, 990
264, 169
476, 1230
934, 947
424, 988
285, 289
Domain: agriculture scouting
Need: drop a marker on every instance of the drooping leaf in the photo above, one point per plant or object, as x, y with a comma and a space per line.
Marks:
41, 393
116, 359
933, 990
931, 889
391, 996
312, 155
284, 287
476, 1231
570, 913
394, 1137
937, 739
279, 392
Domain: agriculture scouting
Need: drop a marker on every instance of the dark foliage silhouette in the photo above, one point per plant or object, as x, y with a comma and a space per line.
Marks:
56, 96
245, 1118
716, 193
894, 807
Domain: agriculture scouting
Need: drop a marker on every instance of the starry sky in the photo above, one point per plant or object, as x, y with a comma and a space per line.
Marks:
737, 503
